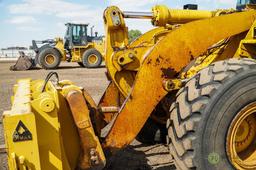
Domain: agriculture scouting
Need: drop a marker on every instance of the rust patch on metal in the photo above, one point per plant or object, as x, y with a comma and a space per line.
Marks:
149, 61
191, 56
158, 61
168, 73
88, 139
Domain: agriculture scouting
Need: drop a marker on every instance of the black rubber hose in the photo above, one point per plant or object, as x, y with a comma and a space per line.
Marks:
48, 77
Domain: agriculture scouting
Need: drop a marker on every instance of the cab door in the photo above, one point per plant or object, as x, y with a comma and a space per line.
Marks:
79, 35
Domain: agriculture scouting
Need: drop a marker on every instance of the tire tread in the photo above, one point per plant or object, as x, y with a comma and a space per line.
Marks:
187, 110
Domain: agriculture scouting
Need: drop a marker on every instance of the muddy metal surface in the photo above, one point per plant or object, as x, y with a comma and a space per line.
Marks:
135, 157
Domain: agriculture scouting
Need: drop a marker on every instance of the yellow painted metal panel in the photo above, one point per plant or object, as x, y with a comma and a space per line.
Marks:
168, 57
28, 149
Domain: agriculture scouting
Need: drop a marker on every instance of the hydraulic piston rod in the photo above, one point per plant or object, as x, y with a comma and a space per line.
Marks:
138, 15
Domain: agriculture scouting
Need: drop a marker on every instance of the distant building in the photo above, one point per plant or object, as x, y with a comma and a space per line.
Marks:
13, 52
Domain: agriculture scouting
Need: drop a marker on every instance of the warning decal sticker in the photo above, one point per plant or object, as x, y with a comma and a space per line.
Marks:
21, 133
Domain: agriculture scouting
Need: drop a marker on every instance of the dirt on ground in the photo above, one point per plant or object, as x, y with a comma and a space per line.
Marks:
136, 156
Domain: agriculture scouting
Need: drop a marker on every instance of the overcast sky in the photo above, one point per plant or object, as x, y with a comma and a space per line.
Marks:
24, 20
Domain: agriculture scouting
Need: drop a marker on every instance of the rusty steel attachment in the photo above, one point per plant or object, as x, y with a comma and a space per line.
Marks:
89, 141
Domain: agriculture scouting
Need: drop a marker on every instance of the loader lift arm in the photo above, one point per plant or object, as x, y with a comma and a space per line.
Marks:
159, 63
35, 42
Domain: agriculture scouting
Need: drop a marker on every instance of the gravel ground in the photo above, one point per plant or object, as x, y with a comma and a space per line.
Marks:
135, 157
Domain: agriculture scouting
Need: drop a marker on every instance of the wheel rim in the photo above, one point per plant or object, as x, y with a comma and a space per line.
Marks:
49, 59
241, 139
92, 59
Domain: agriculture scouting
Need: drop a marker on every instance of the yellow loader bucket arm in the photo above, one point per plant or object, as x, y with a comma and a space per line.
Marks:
123, 59
163, 62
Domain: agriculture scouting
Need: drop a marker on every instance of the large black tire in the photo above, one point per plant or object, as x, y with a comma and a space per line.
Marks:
204, 108
86, 58
38, 51
49, 52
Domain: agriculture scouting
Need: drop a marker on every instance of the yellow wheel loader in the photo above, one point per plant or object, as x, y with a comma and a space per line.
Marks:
77, 46
195, 73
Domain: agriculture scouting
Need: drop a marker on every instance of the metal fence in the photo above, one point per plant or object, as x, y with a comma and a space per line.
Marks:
15, 53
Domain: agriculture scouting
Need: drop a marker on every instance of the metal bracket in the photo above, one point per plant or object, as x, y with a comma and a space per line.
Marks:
173, 84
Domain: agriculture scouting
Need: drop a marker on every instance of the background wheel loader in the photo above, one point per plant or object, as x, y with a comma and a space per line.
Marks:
77, 46
195, 73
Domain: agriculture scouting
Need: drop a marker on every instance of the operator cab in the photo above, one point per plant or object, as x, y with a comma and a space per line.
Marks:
241, 4
76, 35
